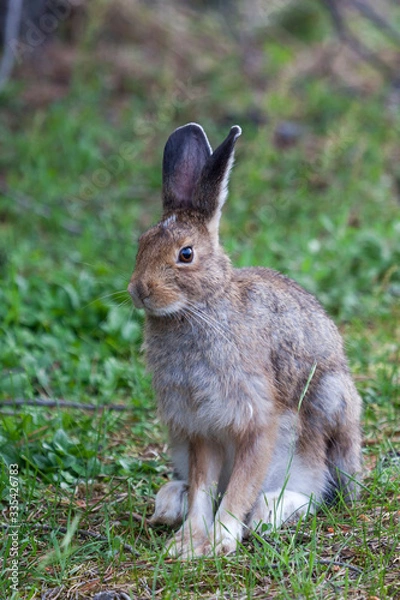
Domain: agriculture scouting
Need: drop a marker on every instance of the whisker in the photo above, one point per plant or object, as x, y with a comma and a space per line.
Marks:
121, 274
105, 296
117, 293
188, 320
214, 325
192, 318
122, 291
202, 318
125, 302
130, 314
211, 320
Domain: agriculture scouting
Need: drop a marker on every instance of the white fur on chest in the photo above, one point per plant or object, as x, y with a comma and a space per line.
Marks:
206, 388
207, 407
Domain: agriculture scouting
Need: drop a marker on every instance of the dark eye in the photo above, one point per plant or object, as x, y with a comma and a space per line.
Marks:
186, 254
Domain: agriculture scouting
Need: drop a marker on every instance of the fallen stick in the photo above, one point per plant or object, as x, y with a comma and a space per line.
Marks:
50, 403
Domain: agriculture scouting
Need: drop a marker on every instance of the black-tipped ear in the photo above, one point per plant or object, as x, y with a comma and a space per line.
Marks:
185, 154
212, 187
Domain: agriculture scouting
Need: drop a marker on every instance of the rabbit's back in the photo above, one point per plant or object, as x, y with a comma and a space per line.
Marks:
293, 330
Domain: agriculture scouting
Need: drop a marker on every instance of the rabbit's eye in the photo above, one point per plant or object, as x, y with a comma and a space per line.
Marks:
186, 254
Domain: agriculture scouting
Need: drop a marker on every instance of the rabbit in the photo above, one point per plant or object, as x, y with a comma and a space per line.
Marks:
250, 373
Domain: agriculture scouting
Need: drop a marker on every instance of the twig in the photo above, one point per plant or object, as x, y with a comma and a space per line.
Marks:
27, 203
367, 11
59, 402
49, 594
338, 563
11, 33
139, 518
8, 413
368, 56
347, 38
335, 15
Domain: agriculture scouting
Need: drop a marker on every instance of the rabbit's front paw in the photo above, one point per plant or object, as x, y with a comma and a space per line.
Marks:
225, 537
187, 543
225, 545
171, 503
189, 549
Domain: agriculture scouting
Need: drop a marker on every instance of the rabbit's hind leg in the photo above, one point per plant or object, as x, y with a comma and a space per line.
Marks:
295, 484
278, 507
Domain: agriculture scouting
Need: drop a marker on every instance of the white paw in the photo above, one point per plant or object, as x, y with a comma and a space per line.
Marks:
171, 503
280, 507
191, 542
225, 534
223, 544
188, 542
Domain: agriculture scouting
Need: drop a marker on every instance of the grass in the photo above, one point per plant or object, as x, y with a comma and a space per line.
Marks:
80, 180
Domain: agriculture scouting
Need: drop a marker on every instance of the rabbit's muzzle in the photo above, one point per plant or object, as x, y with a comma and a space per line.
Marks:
154, 299
139, 293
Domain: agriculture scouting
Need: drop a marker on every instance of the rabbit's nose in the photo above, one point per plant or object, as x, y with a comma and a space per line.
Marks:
139, 291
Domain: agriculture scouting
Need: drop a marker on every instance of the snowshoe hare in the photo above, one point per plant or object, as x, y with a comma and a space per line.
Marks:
249, 371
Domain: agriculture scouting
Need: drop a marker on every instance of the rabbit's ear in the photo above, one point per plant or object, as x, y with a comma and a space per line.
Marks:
185, 154
212, 188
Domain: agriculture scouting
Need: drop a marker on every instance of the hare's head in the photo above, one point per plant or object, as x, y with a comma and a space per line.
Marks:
179, 261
